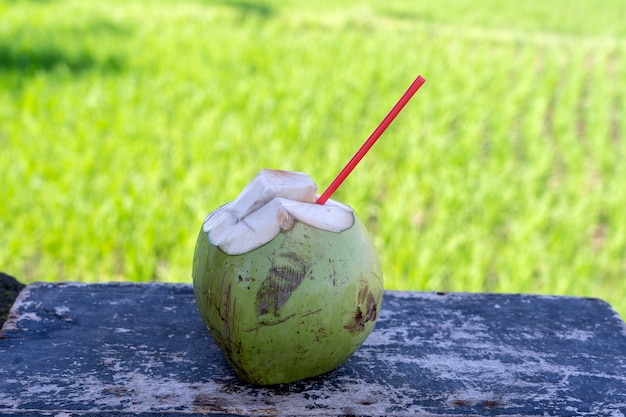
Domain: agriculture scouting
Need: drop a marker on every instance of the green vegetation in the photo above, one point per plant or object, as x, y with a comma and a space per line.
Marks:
123, 123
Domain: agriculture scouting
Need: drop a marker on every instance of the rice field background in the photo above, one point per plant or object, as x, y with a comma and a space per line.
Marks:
123, 123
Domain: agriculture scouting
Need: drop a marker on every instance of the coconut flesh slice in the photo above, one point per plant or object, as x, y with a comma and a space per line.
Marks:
269, 204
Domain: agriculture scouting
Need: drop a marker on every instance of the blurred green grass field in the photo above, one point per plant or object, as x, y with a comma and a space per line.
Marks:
123, 123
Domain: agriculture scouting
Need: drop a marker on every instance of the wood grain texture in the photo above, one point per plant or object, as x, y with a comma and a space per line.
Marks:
117, 349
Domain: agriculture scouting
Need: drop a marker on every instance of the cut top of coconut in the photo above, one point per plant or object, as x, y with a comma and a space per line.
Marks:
272, 202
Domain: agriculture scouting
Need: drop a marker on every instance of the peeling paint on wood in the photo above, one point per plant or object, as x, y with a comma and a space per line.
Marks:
104, 349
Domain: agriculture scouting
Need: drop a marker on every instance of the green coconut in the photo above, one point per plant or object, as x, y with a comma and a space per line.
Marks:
301, 303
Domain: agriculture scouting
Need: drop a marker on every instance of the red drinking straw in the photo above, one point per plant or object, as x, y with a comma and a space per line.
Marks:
415, 85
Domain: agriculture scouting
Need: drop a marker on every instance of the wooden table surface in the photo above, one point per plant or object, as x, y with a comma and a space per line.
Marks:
120, 349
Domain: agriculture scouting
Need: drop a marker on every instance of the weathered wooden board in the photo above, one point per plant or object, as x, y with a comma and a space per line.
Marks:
116, 349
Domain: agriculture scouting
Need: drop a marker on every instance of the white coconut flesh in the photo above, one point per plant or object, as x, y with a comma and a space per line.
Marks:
269, 204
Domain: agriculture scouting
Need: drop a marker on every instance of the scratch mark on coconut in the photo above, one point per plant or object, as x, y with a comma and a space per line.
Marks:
319, 310
226, 312
284, 277
365, 311
275, 322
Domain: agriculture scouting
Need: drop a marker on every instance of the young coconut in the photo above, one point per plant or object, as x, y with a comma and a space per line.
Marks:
288, 289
